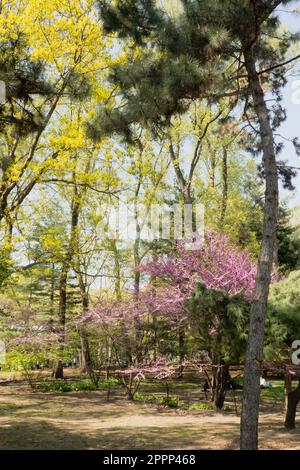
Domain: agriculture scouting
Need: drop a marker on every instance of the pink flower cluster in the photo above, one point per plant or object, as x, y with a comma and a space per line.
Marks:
217, 264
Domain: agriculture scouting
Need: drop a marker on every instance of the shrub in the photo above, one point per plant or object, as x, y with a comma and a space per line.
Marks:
20, 361
206, 407
201, 406
172, 402
66, 386
78, 386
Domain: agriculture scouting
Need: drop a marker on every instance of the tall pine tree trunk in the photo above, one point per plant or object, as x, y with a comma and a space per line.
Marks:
250, 411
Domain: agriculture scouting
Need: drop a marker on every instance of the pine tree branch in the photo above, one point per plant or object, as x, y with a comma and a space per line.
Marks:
274, 67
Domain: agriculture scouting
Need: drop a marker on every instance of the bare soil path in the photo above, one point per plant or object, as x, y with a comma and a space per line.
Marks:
85, 420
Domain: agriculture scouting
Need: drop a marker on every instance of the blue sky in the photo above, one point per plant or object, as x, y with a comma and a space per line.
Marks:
291, 127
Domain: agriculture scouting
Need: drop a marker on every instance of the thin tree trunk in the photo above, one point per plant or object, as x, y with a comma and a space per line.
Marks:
52, 289
287, 388
181, 348
224, 186
188, 201
137, 278
250, 410
293, 400
58, 372
8, 232
220, 384
86, 361
126, 345
155, 338
212, 173
137, 275
117, 270
63, 297
85, 354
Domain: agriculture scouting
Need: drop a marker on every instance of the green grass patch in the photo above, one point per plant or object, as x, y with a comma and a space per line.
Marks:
274, 393
206, 407
75, 386
171, 401
66, 386
201, 407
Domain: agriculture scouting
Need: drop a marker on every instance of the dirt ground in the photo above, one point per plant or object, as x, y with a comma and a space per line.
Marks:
85, 420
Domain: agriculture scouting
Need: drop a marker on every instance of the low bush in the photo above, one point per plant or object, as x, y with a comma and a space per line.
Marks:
171, 402
16, 361
78, 386
201, 407
66, 386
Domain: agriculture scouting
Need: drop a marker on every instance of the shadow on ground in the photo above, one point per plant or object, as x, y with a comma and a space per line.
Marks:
30, 420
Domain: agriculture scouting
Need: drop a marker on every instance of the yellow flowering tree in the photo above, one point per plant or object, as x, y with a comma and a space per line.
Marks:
67, 42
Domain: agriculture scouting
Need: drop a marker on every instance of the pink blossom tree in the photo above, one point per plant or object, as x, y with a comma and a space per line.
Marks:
217, 266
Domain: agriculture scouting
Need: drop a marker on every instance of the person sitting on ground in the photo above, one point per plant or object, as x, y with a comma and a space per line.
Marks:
264, 383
